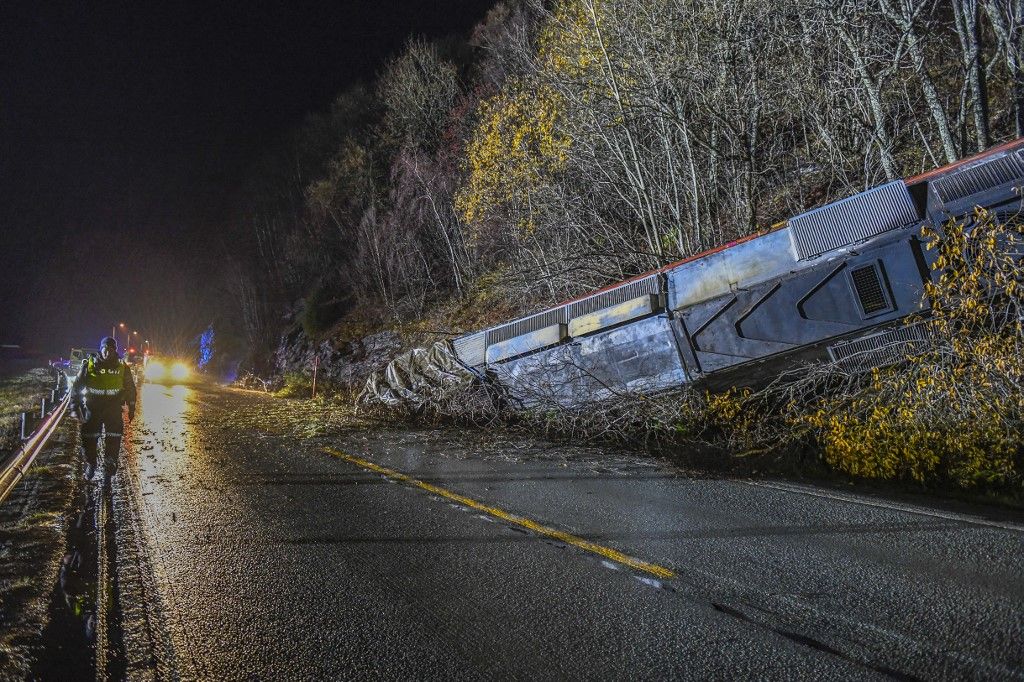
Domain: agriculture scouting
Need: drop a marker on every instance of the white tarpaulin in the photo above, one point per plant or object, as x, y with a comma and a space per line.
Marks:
419, 377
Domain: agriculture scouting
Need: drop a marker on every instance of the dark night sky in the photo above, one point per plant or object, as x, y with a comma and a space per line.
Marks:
123, 127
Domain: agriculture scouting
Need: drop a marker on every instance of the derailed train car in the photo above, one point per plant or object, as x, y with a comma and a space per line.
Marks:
835, 282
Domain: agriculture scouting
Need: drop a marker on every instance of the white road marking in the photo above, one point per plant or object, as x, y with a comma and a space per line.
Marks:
893, 506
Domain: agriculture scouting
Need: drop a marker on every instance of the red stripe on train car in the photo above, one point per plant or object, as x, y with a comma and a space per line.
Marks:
1006, 146
677, 263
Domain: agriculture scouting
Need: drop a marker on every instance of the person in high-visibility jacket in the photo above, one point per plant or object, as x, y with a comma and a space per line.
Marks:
99, 393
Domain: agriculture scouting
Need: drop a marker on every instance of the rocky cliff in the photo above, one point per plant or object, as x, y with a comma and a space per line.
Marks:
342, 363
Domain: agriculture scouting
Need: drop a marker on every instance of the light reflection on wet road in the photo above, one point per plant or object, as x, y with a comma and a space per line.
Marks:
164, 419
273, 559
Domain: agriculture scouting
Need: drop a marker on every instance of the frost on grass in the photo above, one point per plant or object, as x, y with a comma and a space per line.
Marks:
18, 394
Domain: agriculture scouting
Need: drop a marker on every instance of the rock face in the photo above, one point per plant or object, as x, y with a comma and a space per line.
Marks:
345, 364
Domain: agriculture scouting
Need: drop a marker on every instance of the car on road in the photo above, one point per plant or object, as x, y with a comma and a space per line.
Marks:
158, 369
75, 360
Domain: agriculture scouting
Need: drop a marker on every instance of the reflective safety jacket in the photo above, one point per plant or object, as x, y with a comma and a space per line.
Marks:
104, 381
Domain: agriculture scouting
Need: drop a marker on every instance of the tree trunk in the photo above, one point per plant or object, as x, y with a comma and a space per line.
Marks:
873, 93
968, 27
904, 20
1007, 17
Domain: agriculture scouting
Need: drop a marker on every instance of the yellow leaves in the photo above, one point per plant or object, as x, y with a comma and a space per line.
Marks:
923, 423
583, 83
957, 411
570, 43
516, 147
727, 408
589, 50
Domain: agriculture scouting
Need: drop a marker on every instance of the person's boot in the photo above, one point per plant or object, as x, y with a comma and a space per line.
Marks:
88, 449
111, 452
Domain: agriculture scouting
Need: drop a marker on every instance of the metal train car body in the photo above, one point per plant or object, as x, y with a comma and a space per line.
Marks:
834, 282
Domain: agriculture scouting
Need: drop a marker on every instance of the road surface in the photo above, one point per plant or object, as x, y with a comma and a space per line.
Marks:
251, 550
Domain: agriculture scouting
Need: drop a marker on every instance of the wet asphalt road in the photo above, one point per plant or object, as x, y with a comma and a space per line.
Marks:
262, 556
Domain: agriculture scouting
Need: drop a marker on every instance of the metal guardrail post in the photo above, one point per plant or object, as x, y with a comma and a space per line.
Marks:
26, 425
32, 445
43, 404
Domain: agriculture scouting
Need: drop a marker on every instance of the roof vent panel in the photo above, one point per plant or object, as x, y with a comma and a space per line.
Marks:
852, 220
965, 183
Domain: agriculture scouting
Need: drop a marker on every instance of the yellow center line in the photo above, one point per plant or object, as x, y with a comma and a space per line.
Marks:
523, 522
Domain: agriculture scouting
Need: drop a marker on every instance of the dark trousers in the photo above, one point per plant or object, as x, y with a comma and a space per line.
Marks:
105, 421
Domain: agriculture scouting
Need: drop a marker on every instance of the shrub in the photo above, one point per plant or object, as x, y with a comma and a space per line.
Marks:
321, 309
296, 385
953, 411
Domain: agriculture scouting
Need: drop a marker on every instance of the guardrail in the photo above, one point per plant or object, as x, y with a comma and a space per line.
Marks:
18, 465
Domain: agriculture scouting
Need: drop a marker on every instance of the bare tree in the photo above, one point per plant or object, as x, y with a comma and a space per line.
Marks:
968, 28
1007, 18
905, 15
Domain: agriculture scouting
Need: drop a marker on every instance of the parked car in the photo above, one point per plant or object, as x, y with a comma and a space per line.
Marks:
75, 360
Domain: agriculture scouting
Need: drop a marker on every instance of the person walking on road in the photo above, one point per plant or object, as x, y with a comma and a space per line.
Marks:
102, 388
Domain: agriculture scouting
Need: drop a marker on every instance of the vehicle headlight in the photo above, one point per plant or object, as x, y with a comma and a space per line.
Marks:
179, 371
155, 370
